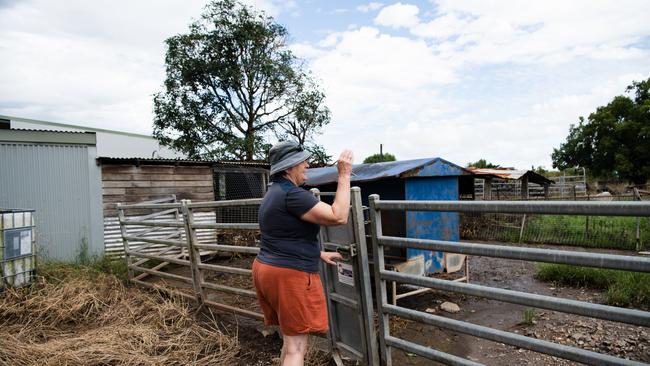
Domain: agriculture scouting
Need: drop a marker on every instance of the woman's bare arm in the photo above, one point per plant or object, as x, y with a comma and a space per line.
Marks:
337, 213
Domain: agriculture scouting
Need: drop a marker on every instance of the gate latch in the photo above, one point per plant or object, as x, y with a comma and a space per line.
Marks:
347, 251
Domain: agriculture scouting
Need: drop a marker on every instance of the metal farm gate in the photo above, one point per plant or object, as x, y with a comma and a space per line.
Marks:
598, 260
191, 235
348, 287
164, 249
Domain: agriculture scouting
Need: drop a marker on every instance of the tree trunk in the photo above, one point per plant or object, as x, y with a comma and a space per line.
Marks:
249, 143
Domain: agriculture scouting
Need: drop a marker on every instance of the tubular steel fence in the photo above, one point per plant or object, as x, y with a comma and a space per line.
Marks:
382, 276
177, 254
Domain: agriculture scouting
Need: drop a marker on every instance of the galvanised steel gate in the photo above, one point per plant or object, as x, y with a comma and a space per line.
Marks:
381, 276
348, 287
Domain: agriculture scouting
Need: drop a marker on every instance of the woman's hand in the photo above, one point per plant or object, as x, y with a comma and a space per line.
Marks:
330, 257
344, 164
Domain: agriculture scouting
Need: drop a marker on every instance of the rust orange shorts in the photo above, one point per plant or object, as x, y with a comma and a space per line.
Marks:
290, 298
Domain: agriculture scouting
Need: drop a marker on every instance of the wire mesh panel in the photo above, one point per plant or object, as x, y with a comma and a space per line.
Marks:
234, 183
628, 233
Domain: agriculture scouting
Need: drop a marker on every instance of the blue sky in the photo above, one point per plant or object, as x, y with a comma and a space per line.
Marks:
462, 79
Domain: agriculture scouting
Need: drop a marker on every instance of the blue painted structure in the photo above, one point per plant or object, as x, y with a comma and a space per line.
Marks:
419, 179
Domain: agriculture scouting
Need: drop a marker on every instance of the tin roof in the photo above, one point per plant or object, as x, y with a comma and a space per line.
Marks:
511, 174
428, 167
47, 136
48, 126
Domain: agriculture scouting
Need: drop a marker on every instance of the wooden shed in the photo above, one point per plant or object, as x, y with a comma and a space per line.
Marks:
133, 180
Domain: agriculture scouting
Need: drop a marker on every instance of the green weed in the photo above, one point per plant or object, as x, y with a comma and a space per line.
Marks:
89, 268
627, 289
528, 316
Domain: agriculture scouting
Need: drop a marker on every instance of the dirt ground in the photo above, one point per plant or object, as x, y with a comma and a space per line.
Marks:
612, 338
617, 339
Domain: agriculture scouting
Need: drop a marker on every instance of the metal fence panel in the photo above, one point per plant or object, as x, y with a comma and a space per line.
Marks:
628, 263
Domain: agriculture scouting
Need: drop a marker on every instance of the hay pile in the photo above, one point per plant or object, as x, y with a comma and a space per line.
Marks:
83, 317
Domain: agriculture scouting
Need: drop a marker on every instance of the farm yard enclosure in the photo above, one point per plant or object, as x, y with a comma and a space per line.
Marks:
165, 262
213, 281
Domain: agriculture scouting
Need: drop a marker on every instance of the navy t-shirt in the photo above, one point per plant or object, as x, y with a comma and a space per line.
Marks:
288, 241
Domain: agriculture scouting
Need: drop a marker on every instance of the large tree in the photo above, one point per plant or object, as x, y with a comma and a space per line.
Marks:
231, 81
307, 121
614, 140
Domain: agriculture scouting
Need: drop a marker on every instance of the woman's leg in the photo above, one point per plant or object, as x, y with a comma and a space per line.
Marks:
294, 349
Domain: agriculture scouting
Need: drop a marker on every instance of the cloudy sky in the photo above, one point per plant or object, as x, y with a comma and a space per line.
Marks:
463, 80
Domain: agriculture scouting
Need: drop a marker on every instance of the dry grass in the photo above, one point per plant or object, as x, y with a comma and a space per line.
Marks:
76, 316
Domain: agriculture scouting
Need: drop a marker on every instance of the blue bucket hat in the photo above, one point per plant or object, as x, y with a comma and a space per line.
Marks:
286, 154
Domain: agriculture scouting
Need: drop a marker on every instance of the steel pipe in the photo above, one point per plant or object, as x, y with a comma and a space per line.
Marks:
429, 353
229, 248
594, 208
599, 260
630, 316
228, 203
538, 345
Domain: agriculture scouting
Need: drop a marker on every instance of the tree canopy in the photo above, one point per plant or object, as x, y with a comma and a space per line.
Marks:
482, 163
232, 84
379, 158
614, 141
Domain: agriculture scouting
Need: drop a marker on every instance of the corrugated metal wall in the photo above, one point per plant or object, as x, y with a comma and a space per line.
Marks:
63, 184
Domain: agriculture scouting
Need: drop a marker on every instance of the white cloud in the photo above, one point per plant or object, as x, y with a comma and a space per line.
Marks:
549, 31
453, 88
398, 16
371, 6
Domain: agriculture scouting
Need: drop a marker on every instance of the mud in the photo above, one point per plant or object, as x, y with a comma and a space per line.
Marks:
591, 334
587, 333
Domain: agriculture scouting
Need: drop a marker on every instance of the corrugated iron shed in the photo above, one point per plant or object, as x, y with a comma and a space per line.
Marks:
511, 174
427, 167
54, 173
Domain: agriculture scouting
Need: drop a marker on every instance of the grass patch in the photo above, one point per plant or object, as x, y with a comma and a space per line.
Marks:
591, 232
89, 268
629, 289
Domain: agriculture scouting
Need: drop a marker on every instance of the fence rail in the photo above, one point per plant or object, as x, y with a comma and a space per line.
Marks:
599, 260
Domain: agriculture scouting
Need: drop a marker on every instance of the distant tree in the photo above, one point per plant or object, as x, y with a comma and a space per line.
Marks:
539, 170
378, 158
482, 163
614, 140
231, 81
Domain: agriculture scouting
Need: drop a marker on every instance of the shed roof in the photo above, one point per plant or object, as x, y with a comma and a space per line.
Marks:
48, 137
511, 174
427, 167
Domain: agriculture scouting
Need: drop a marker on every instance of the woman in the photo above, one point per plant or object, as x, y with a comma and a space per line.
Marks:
285, 272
